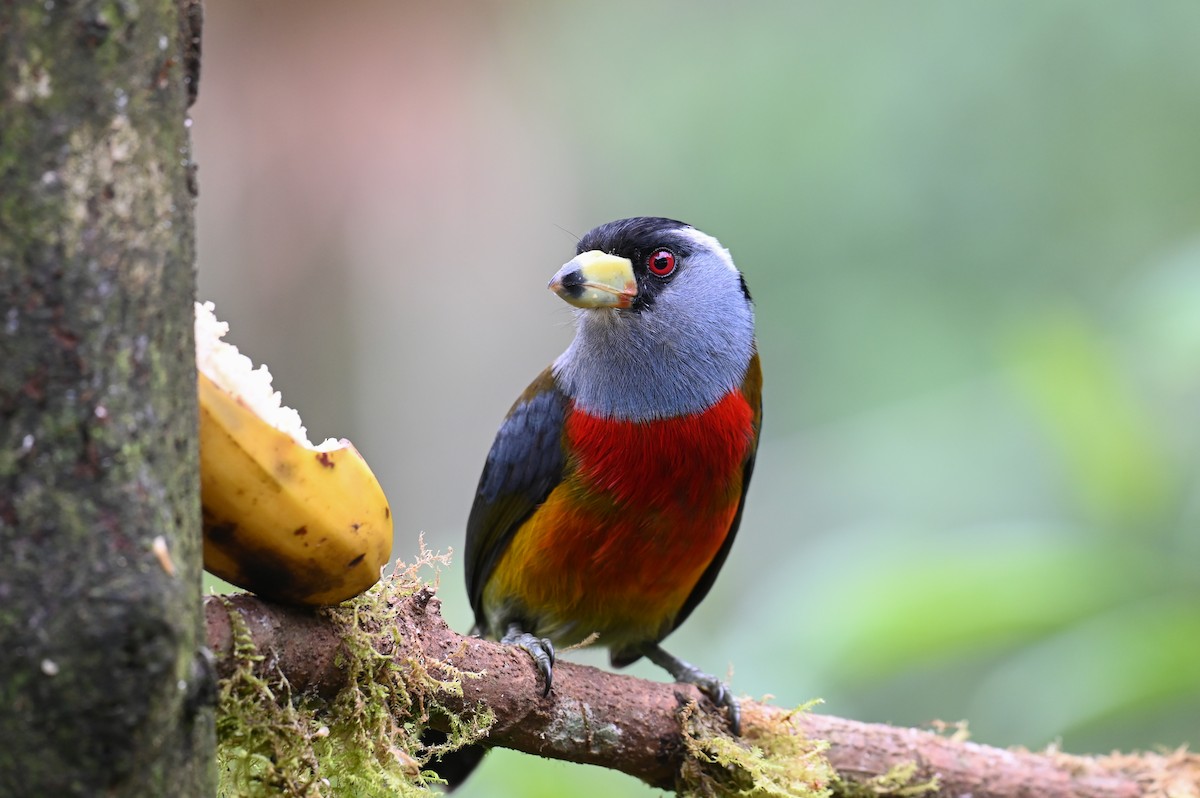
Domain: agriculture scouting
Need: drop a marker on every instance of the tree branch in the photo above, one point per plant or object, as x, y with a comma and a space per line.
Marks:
579, 721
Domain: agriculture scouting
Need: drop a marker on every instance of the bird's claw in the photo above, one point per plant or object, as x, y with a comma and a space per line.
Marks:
540, 648
717, 691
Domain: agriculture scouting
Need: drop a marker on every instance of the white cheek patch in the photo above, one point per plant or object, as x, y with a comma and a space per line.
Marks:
707, 242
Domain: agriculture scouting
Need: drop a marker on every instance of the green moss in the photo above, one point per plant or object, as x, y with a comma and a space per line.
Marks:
900, 781
272, 741
773, 760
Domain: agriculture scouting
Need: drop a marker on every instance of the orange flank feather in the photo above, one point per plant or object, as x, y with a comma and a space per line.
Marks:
646, 505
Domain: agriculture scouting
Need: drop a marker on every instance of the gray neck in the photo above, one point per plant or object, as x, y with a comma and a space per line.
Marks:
661, 362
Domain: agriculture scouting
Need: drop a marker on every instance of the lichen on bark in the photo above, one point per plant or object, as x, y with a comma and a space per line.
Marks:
99, 674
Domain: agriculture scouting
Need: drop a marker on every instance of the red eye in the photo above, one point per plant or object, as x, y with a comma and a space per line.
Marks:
661, 262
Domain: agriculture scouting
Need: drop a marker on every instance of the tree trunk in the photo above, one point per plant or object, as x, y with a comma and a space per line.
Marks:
102, 688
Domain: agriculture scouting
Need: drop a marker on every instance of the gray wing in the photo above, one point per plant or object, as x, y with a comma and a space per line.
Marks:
524, 465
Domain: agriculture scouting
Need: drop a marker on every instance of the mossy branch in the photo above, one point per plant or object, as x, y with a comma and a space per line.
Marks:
648, 729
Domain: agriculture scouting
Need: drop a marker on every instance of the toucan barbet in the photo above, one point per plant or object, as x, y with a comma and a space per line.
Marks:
614, 488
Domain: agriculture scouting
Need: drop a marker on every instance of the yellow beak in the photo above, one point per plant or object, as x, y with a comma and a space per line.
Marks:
596, 279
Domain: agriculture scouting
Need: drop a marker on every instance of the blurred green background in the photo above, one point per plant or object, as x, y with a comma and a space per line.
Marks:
973, 234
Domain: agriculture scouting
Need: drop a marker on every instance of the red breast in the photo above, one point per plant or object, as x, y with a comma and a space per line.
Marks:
618, 546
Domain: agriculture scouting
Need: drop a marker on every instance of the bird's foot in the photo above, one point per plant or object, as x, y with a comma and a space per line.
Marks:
717, 691
540, 648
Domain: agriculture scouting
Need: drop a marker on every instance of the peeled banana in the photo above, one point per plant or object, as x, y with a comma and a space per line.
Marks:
283, 518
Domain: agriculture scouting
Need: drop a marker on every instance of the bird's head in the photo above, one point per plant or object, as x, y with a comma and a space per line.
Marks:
665, 324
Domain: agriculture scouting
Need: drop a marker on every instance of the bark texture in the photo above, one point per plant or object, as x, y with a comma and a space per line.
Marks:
629, 724
102, 689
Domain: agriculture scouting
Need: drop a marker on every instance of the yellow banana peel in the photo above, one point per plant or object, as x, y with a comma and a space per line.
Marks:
283, 518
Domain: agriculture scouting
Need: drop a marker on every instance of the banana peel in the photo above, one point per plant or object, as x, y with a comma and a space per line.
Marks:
283, 518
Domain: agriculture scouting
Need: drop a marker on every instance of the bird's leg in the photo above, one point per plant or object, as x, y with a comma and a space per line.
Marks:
716, 690
540, 648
